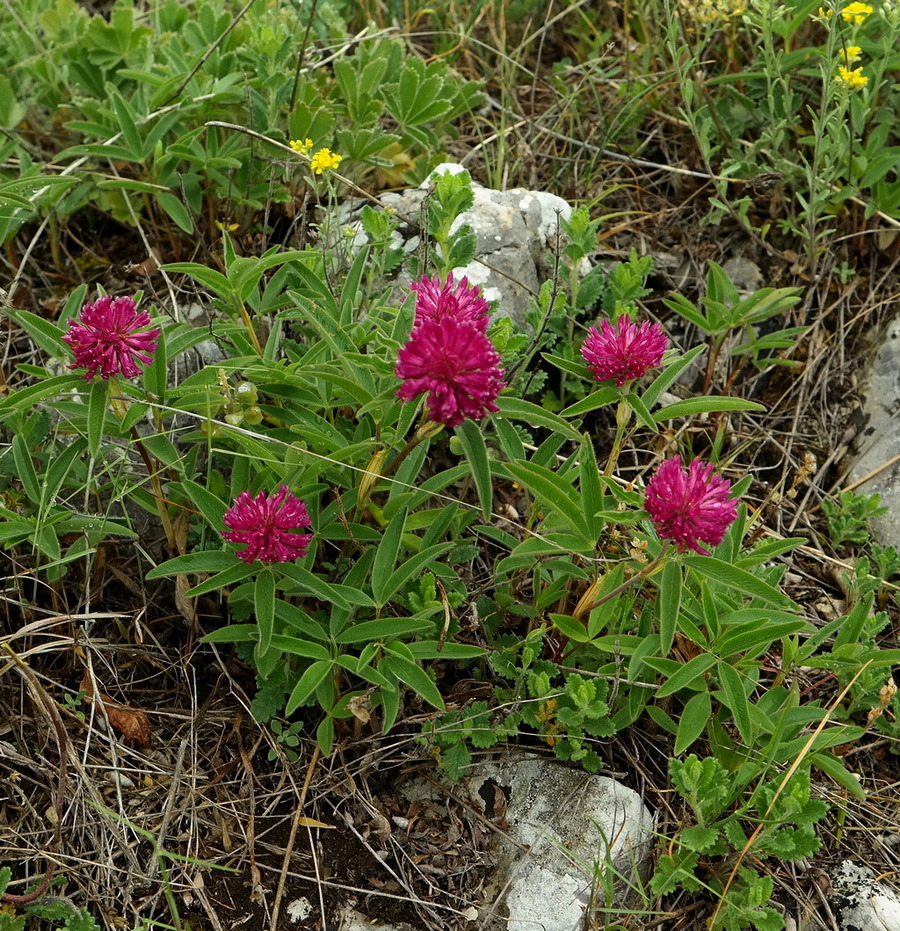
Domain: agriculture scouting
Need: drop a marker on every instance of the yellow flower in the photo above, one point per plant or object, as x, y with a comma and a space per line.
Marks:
851, 54
855, 80
324, 159
856, 13
301, 147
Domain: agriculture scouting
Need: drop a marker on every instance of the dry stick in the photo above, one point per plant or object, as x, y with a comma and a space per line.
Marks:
781, 787
60, 794
289, 849
872, 474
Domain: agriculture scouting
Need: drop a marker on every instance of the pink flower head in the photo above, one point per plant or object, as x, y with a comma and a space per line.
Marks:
454, 361
267, 526
463, 301
623, 351
108, 337
689, 507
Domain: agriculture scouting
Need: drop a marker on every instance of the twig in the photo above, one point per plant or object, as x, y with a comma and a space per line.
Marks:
60, 795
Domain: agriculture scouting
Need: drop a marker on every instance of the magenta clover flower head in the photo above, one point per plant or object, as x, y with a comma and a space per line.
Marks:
462, 301
268, 526
110, 336
456, 363
623, 351
690, 506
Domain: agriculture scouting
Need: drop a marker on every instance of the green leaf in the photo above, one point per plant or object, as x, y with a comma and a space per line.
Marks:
704, 405
699, 838
206, 503
97, 403
603, 397
736, 699
668, 376
472, 440
195, 563
176, 211
47, 388
264, 605
754, 637
154, 376
669, 605
570, 627
386, 557
414, 676
723, 573
237, 573
407, 570
208, 277
299, 647
25, 469
641, 412
535, 416
693, 721
43, 332
309, 682
309, 584
550, 489
687, 676
234, 633
383, 629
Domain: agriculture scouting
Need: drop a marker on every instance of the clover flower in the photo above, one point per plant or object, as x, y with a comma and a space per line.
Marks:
323, 160
856, 13
855, 79
623, 351
456, 363
109, 336
689, 507
268, 526
462, 301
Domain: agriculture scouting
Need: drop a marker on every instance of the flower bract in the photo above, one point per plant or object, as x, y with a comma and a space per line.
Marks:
268, 525
455, 362
110, 337
691, 506
624, 350
460, 300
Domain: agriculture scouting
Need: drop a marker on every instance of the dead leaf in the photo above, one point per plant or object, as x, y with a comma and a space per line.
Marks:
131, 723
305, 822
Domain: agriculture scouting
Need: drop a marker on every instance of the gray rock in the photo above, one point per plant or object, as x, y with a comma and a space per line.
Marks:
517, 231
573, 836
744, 274
860, 903
879, 446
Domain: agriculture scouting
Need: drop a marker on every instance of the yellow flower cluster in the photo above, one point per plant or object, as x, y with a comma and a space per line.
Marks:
321, 161
851, 54
856, 13
302, 147
324, 159
711, 11
855, 79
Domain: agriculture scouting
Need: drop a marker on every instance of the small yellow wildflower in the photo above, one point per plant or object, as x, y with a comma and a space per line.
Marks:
855, 80
851, 54
822, 15
324, 159
301, 147
856, 13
